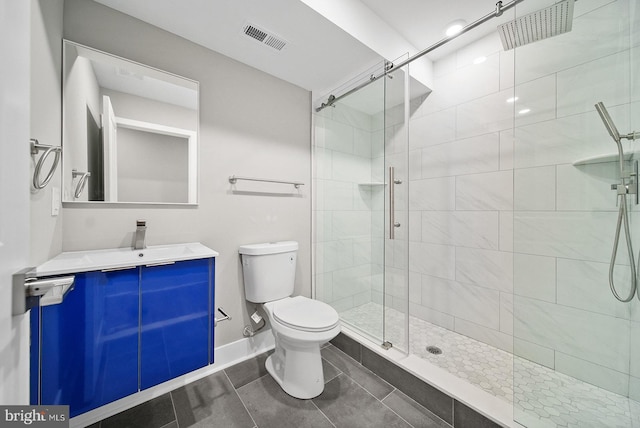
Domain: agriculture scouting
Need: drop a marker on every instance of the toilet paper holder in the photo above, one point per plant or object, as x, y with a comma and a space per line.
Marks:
225, 317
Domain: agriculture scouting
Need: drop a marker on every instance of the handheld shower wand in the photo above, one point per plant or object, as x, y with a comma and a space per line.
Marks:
608, 122
623, 188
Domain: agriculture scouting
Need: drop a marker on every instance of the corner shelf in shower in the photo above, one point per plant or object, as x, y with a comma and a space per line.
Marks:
603, 158
372, 184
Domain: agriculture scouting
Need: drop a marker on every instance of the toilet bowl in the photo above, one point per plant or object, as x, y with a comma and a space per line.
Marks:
300, 325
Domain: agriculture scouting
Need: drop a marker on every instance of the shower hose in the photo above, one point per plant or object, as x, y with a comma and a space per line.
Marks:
623, 219
623, 213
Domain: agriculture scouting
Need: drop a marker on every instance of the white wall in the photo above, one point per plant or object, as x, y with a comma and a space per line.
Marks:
46, 122
14, 184
152, 167
81, 92
134, 107
250, 124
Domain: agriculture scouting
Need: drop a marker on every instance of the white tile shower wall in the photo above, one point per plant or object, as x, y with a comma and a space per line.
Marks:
510, 240
565, 316
461, 197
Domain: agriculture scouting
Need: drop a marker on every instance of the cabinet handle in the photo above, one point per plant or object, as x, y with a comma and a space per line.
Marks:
117, 268
160, 264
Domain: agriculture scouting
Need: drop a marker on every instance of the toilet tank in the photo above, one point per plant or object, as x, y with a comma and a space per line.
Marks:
269, 270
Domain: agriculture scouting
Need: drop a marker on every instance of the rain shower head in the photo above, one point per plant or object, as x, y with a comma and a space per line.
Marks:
608, 122
544, 23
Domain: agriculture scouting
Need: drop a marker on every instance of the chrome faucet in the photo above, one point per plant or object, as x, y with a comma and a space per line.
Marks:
141, 230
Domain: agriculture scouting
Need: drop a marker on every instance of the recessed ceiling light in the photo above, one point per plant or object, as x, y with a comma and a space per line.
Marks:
479, 60
455, 28
524, 111
512, 99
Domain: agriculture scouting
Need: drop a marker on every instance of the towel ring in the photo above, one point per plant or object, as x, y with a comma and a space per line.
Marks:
35, 149
81, 183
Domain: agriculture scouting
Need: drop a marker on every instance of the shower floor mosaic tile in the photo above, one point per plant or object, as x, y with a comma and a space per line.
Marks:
542, 397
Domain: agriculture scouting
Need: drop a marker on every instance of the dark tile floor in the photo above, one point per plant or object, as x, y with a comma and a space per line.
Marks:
245, 395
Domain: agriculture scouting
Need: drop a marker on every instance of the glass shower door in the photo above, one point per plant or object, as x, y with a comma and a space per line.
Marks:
356, 264
396, 219
349, 202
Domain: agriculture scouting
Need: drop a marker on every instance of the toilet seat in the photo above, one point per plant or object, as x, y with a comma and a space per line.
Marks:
301, 313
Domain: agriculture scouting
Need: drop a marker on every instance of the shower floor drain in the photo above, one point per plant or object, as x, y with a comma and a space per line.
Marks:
434, 350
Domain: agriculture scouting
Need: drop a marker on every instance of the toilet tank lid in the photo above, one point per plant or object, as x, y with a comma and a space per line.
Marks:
268, 248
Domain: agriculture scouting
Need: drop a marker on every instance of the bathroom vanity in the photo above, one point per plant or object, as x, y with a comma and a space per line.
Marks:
133, 319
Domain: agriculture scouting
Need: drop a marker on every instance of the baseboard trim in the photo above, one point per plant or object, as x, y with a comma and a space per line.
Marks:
225, 356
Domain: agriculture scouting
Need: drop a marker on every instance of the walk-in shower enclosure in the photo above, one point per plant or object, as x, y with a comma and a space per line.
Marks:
504, 216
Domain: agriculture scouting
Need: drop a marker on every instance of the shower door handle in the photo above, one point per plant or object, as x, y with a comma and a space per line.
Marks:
392, 209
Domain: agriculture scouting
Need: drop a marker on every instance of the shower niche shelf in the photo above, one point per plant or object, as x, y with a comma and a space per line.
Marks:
603, 158
372, 184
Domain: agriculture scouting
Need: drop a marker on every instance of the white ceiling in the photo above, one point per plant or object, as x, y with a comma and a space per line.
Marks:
319, 56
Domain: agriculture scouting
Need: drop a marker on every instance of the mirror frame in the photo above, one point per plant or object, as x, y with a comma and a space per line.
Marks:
192, 137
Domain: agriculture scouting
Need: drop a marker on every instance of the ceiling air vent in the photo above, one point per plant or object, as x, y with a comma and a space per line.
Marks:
264, 37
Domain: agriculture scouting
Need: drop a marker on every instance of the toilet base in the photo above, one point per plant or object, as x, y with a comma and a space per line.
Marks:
298, 370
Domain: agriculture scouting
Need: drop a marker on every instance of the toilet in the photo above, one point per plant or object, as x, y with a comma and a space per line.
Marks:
300, 325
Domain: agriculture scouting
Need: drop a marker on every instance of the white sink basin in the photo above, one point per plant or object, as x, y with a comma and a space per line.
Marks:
84, 261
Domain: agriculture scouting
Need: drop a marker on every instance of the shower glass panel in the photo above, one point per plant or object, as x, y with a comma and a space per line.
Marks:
359, 269
350, 208
396, 219
576, 347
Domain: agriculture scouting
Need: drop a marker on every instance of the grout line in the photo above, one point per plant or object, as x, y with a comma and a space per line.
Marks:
453, 412
431, 415
165, 426
394, 412
555, 285
387, 396
321, 412
255, 424
334, 366
173, 405
365, 389
253, 381
401, 418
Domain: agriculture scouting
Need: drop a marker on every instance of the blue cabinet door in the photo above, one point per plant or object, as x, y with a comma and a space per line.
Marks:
89, 348
34, 357
175, 335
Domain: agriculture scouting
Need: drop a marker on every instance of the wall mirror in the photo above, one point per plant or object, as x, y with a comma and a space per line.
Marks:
130, 132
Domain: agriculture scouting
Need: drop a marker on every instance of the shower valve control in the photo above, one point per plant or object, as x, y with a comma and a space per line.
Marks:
622, 189
631, 188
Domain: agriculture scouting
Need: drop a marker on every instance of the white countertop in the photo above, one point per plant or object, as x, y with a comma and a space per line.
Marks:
85, 261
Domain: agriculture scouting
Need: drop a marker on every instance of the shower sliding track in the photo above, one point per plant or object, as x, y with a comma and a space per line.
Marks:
390, 67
